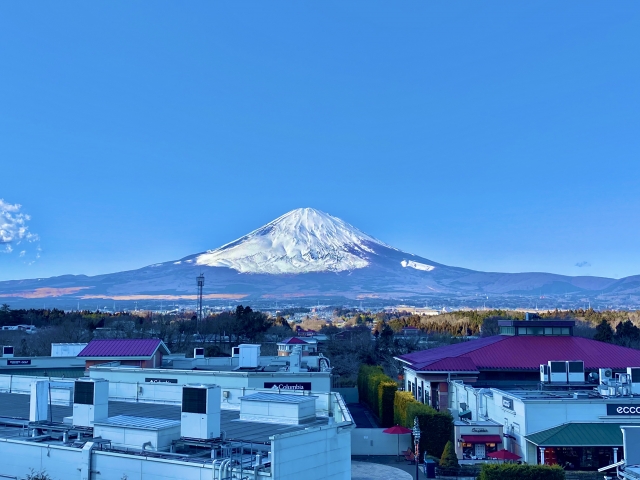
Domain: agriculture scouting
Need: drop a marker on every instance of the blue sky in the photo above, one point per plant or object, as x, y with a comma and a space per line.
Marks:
497, 136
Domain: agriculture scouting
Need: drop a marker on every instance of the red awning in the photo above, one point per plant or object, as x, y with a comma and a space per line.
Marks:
481, 439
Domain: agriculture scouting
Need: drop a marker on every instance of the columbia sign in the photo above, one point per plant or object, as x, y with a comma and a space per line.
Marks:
288, 385
613, 409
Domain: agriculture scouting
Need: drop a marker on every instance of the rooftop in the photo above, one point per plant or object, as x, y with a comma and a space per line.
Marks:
139, 422
117, 348
502, 352
15, 409
579, 435
293, 341
278, 398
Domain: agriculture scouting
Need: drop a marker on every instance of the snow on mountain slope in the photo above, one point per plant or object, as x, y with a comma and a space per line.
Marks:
301, 241
417, 265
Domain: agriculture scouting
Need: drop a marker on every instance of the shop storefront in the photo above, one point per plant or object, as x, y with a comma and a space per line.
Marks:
476, 440
579, 446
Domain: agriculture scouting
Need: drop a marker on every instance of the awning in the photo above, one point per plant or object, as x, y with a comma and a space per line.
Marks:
481, 439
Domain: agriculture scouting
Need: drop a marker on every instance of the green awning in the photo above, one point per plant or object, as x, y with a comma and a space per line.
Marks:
579, 435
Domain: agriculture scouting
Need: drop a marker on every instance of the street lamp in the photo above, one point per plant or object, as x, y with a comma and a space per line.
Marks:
416, 439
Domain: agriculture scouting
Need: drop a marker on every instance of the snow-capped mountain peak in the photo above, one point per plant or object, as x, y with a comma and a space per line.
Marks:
301, 241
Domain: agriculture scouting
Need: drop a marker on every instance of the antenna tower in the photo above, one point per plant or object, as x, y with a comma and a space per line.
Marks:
200, 280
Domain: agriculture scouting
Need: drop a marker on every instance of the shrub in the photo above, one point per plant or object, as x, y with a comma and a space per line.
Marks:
436, 427
449, 458
377, 390
386, 396
509, 471
41, 475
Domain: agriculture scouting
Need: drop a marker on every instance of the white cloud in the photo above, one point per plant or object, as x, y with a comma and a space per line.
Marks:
14, 227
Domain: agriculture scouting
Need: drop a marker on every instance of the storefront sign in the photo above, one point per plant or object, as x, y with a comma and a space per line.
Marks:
288, 385
479, 430
19, 362
617, 409
507, 403
161, 380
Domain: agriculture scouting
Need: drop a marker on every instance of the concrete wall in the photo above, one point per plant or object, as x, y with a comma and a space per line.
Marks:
320, 381
316, 454
371, 441
350, 395
22, 384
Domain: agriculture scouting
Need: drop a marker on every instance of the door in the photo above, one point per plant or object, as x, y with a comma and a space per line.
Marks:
480, 450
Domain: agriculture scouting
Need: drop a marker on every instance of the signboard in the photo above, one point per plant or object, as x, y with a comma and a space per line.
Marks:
507, 403
288, 385
479, 430
19, 362
161, 380
620, 409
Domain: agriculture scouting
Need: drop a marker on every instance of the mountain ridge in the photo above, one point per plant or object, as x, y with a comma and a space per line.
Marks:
306, 253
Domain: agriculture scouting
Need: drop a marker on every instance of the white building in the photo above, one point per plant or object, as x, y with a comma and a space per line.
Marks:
580, 428
291, 436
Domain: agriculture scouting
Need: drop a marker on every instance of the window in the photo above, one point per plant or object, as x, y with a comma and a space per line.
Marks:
522, 331
548, 331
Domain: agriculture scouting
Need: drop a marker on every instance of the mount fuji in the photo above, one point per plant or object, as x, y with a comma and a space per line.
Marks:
309, 254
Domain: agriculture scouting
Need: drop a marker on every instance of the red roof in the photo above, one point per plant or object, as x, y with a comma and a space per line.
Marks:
452, 364
144, 347
293, 341
503, 352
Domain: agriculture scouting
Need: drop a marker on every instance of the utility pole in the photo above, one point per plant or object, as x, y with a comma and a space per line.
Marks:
200, 280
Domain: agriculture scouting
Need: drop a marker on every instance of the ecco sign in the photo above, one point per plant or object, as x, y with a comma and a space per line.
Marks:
613, 409
507, 403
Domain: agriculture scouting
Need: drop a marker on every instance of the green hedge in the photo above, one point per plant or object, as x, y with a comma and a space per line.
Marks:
377, 390
386, 394
436, 427
509, 471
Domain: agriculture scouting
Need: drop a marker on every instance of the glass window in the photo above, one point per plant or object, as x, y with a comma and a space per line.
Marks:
565, 331
548, 331
522, 331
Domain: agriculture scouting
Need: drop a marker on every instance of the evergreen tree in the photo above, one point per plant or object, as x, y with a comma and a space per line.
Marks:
449, 458
604, 332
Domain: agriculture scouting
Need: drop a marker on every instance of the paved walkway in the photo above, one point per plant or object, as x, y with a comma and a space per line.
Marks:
376, 471
361, 415
390, 461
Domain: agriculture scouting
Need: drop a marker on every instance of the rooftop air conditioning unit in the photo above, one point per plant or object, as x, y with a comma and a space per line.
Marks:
7, 352
544, 373
90, 401
198, 352
605, 375
249, 356
634, 374
200, 418
576, 371
558, 372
